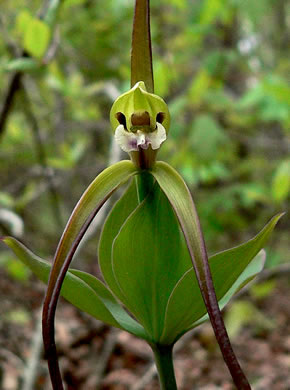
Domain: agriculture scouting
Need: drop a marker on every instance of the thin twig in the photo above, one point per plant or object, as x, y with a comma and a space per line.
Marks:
30, 371
104, 357
270, 272
41, 156
12, 89
149, 375
52, 49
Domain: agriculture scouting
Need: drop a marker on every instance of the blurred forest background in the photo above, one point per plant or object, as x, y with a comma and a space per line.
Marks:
223, 68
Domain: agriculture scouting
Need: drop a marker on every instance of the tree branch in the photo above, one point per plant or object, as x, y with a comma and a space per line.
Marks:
41, 156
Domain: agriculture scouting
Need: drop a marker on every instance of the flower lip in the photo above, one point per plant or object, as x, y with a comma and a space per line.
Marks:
134, 141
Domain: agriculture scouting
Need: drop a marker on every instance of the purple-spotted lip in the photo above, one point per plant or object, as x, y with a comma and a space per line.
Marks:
130, 142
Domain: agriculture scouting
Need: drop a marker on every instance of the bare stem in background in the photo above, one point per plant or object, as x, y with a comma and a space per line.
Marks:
30, 371
12, 90
41, 156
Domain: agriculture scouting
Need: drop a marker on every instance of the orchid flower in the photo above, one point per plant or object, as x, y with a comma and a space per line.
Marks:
143, 128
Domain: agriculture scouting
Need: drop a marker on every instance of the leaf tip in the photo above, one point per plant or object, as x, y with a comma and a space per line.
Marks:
277, 217
5, 239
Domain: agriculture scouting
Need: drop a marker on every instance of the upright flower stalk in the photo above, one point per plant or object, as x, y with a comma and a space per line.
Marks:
141, 52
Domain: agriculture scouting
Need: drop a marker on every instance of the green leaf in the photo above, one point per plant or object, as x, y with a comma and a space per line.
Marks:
199, 87
20, 317
205, 127
211, 10
81, 289
22, 21
84, 213
229, 274
73, 289
180, 198
149, 256
163, 75
6, 200
181, 4
36, 37
281, 181
121, 316
252, 269
117, 217
91, 201
242, 313
17, 270
264, 289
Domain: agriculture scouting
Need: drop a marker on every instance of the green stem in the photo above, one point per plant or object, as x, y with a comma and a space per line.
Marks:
144, 184
164, 364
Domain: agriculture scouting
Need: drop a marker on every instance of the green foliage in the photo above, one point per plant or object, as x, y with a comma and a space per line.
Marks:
81, 289
281, 182
205, 127
92, 200
243, 313
227, 267
19, 316
148, 258
13, 267
121, 211
34, 33
145, 241
262, 290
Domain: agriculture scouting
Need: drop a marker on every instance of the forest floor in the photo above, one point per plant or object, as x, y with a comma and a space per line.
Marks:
94, 356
